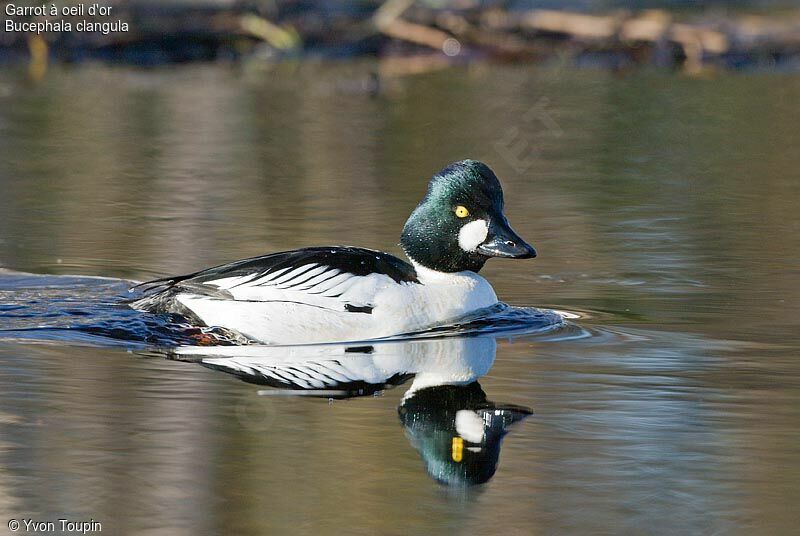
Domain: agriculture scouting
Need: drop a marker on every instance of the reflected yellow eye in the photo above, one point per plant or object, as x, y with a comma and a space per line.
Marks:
461, 211
457, 449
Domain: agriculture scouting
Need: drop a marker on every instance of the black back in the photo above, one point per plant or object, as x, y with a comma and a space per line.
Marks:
354, 260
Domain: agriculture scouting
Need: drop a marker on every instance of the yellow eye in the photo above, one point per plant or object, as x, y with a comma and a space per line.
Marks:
461, 211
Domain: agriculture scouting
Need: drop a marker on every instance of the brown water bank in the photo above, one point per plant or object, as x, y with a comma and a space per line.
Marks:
145, 33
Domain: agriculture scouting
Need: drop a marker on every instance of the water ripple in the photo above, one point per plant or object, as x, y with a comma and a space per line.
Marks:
93, 311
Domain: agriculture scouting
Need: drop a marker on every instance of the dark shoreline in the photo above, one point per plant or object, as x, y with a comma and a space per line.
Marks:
618, 40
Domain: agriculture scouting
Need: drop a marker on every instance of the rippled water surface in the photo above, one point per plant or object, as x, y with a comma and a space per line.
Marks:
665, 212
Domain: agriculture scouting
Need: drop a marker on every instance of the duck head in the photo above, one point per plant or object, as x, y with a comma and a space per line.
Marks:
460, 224
457, 431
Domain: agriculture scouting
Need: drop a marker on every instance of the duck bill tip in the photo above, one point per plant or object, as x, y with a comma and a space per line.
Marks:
507, 248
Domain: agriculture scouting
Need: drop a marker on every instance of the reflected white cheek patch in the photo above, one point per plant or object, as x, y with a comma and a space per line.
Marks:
473, 234
469, 425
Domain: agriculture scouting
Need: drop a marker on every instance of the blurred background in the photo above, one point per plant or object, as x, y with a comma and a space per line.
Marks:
616, 34
649, 150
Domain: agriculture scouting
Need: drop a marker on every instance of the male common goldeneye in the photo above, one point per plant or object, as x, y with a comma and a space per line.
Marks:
342, 293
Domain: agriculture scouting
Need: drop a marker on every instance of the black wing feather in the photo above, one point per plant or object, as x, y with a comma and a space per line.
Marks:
354, 260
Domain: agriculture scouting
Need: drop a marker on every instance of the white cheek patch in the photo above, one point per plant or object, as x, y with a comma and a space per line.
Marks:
469, 425
473, 234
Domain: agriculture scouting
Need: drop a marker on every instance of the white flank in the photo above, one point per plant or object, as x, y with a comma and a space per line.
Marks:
473, 234
315, 303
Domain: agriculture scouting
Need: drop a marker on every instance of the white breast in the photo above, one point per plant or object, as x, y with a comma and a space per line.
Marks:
440, 298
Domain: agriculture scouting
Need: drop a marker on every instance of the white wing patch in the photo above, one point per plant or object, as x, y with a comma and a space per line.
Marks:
311, 284
292, 276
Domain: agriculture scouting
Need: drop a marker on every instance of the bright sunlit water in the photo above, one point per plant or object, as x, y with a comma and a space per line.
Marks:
665, 212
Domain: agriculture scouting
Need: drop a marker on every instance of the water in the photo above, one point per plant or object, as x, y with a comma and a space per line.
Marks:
664, 209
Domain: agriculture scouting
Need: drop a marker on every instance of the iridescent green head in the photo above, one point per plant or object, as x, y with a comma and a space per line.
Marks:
460, 224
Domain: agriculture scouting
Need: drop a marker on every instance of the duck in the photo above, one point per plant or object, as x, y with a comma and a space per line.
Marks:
444, 411
346, 293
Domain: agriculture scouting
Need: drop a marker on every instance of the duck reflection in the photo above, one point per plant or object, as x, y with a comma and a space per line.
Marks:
457, 431
445, 412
